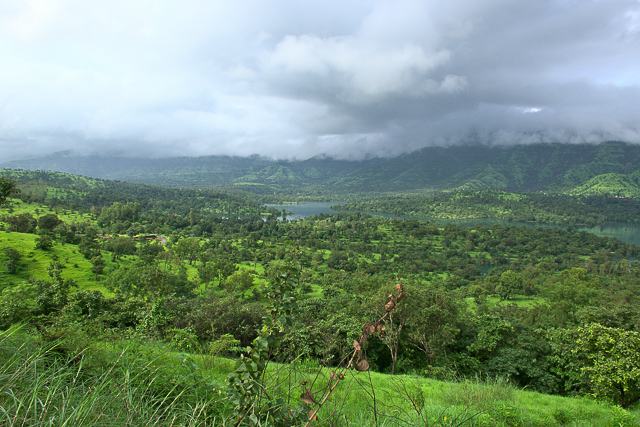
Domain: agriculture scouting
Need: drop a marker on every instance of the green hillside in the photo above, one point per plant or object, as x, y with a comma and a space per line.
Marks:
521, 168
611, 184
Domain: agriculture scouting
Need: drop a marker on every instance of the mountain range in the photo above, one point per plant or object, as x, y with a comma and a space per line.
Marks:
608, 168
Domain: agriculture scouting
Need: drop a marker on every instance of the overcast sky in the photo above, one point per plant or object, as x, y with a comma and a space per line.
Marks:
294, 79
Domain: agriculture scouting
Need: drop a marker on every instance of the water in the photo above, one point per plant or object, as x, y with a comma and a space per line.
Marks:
304, 210
628, 233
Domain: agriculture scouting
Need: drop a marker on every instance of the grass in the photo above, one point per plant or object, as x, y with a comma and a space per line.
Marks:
17, 207
62, 383
414, 401
64, 379
34, 262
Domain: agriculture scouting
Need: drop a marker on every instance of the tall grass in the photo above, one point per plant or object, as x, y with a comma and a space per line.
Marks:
63, 381
59, 384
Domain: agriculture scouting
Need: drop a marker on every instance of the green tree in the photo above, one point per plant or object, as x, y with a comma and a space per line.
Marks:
240, 281
7, 187
22, 223
122, 246
149, 281
604, 361
509, 285
149, 251
48, 222
432, 322
44, 242
53, 295
17, 303
12, 259
89, 247
187, 248
97, 265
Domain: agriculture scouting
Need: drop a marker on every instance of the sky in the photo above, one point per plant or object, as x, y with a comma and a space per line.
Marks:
350, 79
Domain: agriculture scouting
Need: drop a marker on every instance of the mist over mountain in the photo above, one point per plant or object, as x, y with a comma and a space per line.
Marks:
536, 167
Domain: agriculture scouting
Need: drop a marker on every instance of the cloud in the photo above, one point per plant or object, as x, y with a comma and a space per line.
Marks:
297, 79
362, 71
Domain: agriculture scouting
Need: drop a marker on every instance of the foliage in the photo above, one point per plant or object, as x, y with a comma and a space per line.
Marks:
12, 259
148, 281
605, 361
53, 295
44, 242
7, 187
480, 297
253, 404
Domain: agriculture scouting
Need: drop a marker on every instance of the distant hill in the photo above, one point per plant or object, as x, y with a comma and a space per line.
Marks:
168, 172
610, 184
521, 168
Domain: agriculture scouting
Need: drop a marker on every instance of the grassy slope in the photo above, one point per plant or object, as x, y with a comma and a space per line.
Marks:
612, 184
72, 382
34, 262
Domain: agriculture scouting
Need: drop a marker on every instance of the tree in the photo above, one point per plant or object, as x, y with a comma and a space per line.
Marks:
7, 187
48, 222
53, 295
122, 246
12, 259
97, 265
432, 324
510, 284
23, 223
240, 281
187, 248
89, 247
149, 281
16, 303
394, 319
604, 360
149, 251
44, 242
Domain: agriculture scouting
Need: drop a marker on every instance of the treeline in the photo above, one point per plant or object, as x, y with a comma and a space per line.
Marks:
103, 198
530, 207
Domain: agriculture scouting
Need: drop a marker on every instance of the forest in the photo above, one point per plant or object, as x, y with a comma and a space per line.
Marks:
209, 307
538, 207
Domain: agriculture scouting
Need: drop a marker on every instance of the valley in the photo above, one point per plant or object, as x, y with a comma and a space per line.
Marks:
491, 323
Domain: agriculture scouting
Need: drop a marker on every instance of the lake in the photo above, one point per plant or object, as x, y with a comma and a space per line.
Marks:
628, 233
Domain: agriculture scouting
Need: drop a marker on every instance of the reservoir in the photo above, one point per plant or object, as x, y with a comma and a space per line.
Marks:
628, 233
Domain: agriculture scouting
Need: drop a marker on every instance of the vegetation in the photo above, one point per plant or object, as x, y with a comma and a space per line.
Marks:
525, 168
353, 318
532, 207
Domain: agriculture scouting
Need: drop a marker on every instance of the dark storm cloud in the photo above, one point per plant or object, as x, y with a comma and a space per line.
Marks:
297, 79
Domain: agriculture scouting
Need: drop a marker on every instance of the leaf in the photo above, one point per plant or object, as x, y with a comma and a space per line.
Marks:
307, 396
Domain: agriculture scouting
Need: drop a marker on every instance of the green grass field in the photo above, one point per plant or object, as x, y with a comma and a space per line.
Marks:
71, 380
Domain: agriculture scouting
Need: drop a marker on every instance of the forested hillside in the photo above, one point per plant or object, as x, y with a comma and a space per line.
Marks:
520, 168
550, 310
545, 208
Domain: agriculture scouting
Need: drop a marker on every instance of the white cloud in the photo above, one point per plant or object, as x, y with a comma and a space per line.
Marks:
289, 78
359, 68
